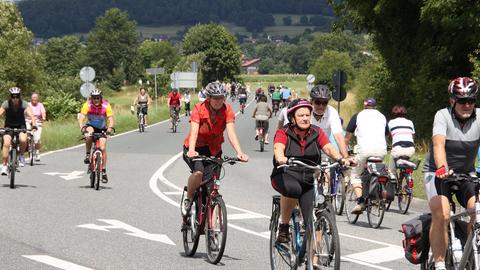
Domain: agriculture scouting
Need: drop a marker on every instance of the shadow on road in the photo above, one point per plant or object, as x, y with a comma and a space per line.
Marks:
88, 187
19, 186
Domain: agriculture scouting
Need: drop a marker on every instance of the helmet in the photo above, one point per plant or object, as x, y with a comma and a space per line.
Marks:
320, 91
14, 91
463, 87
215, 89
370, 102
296, 104
96, 92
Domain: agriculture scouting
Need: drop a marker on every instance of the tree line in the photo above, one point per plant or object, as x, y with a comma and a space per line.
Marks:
48, 18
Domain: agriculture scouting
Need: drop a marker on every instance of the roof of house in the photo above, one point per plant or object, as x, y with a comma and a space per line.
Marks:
247, 63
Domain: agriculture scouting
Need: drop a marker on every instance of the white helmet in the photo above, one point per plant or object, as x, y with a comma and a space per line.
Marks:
96, 92
14, 91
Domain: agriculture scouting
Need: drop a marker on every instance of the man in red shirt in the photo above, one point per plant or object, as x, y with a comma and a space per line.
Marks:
174, 104
208, 121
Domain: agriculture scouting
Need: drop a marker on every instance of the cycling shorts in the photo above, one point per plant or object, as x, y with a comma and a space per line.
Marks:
435, 186
208, 169
260, 124
96, 130
242, 100
143, 108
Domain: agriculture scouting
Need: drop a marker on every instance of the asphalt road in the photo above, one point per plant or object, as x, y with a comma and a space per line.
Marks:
53, 220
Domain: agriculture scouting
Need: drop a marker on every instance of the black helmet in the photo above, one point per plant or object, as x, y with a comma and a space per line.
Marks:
320, 91
215, 89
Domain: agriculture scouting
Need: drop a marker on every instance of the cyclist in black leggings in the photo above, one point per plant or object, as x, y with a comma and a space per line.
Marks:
299, 139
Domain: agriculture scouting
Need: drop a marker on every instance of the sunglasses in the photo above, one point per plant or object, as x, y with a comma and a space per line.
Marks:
96, 97
14, 97
321, 102
466, 100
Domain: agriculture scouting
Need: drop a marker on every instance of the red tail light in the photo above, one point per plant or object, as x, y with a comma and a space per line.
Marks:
410, 183
382, 179
409, 171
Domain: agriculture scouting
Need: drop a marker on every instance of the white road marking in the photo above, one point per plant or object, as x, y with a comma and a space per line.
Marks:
173, 193
364, 263
52, 261
67, 176
132, 231
379, 255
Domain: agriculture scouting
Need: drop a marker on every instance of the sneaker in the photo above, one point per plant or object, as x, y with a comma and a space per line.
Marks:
186, 207
21, 161
358, 209
87, 159
104, 177
256, 137
283, 233
4, 170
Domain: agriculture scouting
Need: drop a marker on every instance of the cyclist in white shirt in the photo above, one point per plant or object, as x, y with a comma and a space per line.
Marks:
402, 132
326, 117
370, 128
282, 116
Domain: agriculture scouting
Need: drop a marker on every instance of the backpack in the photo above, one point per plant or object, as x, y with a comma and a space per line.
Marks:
416, 238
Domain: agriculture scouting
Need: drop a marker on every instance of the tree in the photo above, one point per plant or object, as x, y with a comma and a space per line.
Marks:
222, 53
113, 44
304, 20
19, 64
327, 63
159, 54
63, 56
287, 20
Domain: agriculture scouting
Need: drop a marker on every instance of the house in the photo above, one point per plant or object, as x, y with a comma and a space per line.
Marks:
250, 66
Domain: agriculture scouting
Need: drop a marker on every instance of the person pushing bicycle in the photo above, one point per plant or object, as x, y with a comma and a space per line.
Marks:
98, 112
15, 109
455, 137
208, 121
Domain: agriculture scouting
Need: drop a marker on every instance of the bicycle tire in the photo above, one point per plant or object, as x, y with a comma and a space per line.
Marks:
329, 251
191, 233
350, 203
13, 167
340, 195
376, 210
262, 145
211, 238
92, 178
404, 196
31, 150
98, 170
280, 258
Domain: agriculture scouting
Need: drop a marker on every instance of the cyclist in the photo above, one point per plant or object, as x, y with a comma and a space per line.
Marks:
186, 100
262, 113
276, 98
286, 93
454, 147
141, 102
258, 93
402, 133
271, 89
298, 139
208, 121
98, 112
242, 95
174, 104
282, 116
40, 115
233, 92
15, 110
370, 128
326, 117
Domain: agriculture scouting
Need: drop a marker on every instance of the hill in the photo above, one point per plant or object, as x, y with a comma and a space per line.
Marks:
47, 18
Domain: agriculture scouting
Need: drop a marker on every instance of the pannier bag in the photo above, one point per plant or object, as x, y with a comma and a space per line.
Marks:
416, 239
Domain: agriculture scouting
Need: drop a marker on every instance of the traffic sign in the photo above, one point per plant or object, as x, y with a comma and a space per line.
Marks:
86, 89
339, 95
184, 79
87, 74
311, 78
155, 71
339, 78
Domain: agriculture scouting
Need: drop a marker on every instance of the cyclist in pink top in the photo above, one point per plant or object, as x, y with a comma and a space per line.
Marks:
38, 111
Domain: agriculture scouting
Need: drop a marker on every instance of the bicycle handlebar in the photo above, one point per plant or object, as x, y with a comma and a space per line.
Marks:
15, 130
292, 162
454, 178
220, 161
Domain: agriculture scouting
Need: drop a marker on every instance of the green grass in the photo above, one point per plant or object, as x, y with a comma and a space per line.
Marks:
295, 18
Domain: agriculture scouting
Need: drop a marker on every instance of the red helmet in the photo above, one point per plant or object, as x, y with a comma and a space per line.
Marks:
463, 87
296, 104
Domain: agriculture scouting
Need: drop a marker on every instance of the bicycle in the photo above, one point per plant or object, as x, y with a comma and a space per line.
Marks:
338, 189
275, 107
317, 243
374, 180
404, 186
13, 152
141, 117
261, 130
208, 214
174, 115
470, 242
95, 167
31, 147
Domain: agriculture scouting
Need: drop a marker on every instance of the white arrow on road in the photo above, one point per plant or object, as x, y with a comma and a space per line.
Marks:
116, 224
67, 176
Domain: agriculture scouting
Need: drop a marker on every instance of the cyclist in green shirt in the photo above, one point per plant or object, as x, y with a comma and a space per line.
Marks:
276, 98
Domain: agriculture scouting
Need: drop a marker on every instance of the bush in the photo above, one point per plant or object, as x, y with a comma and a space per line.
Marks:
61, 105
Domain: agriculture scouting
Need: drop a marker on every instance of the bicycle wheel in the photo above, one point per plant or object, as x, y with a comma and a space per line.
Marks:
404, 194
191, 233
340, 194
375, 210
262, 144
98, 170
282, 256
12, 164
350, 203
323, 243
216, 230
31, 150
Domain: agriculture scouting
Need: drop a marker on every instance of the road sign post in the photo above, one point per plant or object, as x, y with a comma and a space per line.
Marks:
87, 74
310, 81
155, 71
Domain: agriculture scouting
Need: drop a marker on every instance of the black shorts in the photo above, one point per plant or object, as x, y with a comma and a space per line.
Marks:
96, 130
199, 166
10, 133
187, 106
143, 108
466, 190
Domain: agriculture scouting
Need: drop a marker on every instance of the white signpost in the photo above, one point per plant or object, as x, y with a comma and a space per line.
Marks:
184, 79
87, 74
155, 71
310, 81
